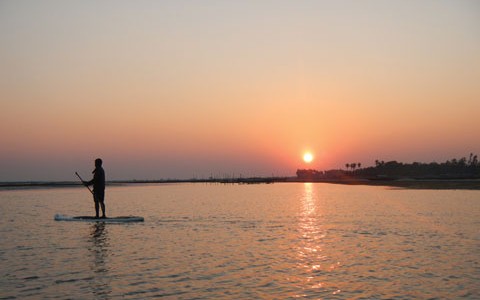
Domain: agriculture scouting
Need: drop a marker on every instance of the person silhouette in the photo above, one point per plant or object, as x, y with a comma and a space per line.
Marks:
98, 183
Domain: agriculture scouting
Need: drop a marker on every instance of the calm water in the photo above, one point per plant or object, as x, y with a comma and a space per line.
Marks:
275, 241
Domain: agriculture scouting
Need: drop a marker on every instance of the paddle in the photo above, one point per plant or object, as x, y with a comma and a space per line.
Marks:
84, 182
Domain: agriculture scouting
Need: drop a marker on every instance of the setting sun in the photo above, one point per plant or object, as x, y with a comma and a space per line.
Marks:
308, 157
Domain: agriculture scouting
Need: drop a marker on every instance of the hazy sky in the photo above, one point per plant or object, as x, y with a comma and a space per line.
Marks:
176, 89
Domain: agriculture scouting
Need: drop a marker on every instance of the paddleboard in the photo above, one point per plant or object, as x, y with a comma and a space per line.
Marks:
121, 219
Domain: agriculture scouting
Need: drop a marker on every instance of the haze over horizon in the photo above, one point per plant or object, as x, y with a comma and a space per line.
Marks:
182, 89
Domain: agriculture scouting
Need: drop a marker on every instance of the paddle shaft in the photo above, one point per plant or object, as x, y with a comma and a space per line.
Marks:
83, 182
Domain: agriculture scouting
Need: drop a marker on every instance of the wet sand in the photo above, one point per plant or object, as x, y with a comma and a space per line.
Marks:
435, 184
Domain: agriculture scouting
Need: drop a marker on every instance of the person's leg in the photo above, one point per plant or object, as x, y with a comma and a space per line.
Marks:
96, 200
96, 209
101, 198
103, 210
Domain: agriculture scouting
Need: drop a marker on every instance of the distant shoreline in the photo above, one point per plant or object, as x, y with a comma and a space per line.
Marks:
438, 184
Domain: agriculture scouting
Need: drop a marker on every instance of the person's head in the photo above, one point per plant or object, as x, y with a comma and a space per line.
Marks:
98, 162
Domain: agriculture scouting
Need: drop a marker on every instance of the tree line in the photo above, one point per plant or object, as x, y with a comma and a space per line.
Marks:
462, 168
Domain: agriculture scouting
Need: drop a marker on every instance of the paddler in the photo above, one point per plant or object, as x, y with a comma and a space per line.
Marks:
98, 183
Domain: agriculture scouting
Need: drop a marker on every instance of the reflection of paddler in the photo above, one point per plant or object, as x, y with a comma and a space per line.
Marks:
100, 243
98, 183
97, 233
99, 249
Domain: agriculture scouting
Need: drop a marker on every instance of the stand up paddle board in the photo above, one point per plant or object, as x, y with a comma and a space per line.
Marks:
122, 219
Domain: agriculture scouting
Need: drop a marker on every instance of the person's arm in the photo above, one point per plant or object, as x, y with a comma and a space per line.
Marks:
87, 183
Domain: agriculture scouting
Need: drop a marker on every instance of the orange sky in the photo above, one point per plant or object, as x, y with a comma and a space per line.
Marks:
177, 89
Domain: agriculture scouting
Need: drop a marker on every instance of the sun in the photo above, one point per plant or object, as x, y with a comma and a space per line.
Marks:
308, 157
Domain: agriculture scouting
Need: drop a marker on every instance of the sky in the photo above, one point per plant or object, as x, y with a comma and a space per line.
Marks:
193, 89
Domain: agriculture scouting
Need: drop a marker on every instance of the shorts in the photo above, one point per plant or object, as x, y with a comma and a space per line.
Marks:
99, 196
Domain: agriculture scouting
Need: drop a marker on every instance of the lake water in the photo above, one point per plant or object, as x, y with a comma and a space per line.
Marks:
278, 241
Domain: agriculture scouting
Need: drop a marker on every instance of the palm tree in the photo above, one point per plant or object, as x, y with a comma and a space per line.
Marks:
347, 166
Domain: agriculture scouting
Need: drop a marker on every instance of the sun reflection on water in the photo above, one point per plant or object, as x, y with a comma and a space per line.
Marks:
309, 225
313, 263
